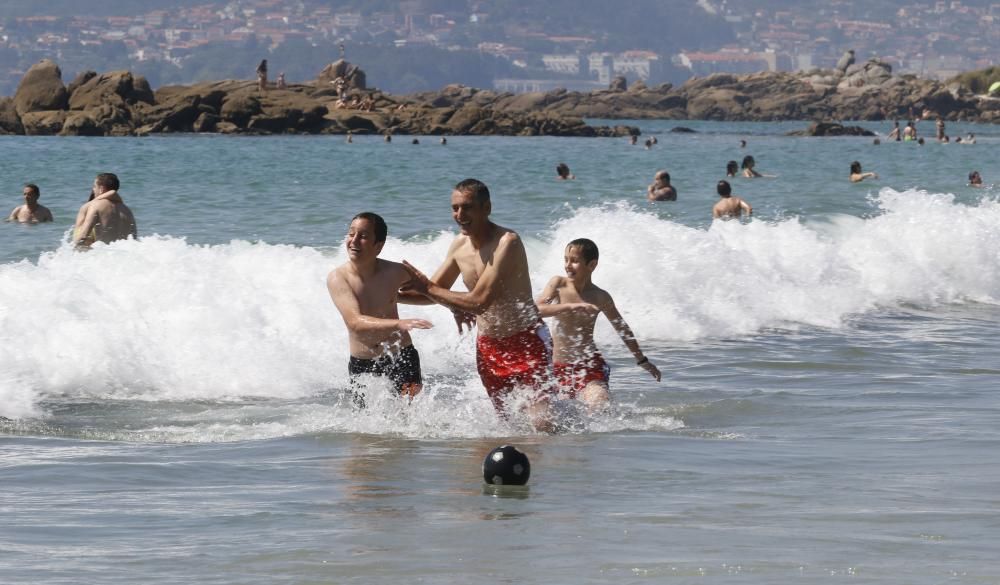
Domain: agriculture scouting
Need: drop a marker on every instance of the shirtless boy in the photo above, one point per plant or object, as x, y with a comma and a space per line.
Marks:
31, 211
105, 218
513, 347
574, 301
729, 206
365, 291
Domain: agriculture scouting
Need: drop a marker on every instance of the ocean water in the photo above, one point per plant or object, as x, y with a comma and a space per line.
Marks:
174, 412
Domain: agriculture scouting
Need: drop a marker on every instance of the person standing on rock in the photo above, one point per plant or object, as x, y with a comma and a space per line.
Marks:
940, 130
105, 218
31, 211
262, 76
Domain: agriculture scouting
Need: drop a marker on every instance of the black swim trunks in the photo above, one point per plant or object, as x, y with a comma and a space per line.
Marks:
401, 369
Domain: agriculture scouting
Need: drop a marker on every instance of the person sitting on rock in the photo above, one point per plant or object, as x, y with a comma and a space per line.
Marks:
857, 175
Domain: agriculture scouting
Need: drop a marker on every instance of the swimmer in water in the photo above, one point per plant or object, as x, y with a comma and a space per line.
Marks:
729, 206
661, 189
31, 211
732, 168
562, 172
857, 175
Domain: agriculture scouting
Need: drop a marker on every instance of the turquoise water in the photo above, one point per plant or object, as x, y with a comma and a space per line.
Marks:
828, 408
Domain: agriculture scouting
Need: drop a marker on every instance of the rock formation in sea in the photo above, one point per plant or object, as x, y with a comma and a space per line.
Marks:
340, 100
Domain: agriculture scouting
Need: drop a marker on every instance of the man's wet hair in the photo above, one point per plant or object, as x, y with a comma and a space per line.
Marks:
109, 181
587, 248
562, 169
973, 176
724, 189
381, 230
476, 188
855, 167
34, 189
748, 161
662, 175
732, 167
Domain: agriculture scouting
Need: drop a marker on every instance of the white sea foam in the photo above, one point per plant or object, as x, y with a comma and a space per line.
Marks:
162, 320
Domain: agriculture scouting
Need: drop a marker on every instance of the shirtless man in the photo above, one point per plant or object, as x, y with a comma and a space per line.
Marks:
729, 207
31, 211
105, 218
574, 301
365, 290
661, 189
513, 347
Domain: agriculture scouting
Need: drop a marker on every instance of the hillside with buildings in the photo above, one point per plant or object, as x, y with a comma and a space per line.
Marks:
509, 45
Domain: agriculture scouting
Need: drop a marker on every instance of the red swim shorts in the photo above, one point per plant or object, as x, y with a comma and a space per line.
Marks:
574, 377
523, 359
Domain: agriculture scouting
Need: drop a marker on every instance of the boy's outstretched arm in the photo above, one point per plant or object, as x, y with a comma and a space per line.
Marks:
625, 332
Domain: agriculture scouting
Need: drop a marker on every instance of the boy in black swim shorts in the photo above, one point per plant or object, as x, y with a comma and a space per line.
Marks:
365, 291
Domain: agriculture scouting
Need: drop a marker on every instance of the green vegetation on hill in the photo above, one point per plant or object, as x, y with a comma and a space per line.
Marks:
978, 81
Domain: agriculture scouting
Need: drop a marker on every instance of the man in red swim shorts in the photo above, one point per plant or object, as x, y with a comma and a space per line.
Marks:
513, 348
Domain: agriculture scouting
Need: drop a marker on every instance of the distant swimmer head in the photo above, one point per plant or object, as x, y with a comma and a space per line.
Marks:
975, 178
724, 189
732, 167
662, 177
855, 167
748, 162
562, 169
743, 143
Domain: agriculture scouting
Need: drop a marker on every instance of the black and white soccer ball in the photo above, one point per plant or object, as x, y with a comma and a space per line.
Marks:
506, 465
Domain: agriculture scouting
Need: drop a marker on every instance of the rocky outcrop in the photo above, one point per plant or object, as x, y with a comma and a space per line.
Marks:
831, 129
41, 89
120, 103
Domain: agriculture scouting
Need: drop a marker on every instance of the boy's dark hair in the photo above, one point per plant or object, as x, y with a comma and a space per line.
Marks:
587, 247
109, 181
724, 189
381, 230
34, 188
476, 188
855, 167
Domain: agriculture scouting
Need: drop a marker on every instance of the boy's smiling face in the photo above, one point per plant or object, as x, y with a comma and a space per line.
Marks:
577, 268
